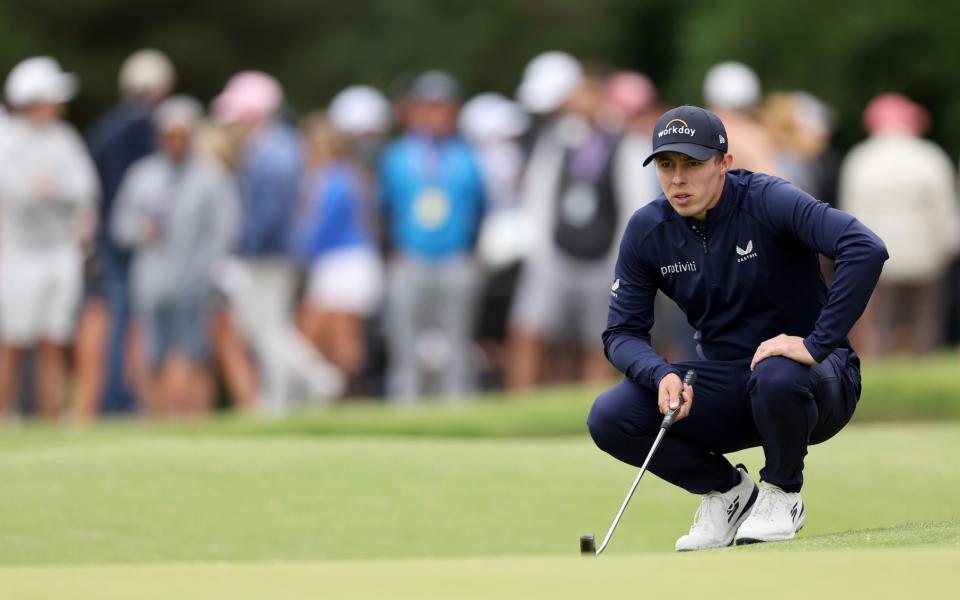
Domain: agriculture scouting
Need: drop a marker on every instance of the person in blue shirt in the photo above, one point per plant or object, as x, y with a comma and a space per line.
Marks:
335, 242
261, 282
432, 202
738, 252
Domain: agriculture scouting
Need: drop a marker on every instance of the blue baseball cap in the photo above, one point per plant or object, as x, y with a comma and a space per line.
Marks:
689, 130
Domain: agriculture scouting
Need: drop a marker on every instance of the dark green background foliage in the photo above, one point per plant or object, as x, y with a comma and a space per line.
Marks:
842, 51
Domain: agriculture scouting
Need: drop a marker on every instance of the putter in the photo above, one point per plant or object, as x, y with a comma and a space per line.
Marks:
588, 541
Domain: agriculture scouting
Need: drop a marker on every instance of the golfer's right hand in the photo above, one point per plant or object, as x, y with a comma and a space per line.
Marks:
669, 396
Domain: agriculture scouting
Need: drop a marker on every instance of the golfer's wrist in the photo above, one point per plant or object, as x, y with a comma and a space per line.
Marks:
662, 372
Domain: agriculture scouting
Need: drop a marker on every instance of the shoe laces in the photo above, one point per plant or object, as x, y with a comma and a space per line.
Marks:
770, 496
711, 503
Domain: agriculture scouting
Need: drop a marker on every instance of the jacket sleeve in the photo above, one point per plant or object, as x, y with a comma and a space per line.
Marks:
626, 340
274, 191
128, 220
859, 255
226, 223
77, 184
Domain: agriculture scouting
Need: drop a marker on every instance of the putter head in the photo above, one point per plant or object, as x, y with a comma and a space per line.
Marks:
588, 546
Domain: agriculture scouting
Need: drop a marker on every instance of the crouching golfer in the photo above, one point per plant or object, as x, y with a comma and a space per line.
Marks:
737, 251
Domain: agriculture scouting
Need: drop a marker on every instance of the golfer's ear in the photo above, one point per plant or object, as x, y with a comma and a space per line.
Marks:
725, 162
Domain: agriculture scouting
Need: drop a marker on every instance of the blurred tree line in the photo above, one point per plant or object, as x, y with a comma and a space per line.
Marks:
844, 52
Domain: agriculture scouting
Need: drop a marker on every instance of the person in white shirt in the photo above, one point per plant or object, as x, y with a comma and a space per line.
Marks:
902, 186
48, 196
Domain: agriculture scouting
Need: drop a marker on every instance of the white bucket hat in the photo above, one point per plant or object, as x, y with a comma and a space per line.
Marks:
731, 85
490, 116
147, 71
39, 79
360, 110
548, 80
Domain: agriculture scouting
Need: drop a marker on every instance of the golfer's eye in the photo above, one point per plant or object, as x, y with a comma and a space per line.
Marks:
664, 164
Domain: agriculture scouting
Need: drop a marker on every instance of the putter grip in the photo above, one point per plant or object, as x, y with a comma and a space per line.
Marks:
689, 379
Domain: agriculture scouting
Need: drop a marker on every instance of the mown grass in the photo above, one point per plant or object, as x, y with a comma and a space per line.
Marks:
893, 574
478, 500
894, 390
90, 499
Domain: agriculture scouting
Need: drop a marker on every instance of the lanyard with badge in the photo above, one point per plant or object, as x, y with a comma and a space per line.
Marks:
432, 206
589, 150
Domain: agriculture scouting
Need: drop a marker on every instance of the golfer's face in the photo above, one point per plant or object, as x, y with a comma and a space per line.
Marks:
691, 186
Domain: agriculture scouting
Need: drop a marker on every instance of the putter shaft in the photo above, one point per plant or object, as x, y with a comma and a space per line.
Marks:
689, 379
633, 488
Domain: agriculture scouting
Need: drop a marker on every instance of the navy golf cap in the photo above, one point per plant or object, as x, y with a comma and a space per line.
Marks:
689, 130
435, 86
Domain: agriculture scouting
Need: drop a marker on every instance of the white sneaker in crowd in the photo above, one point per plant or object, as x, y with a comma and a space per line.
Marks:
719, 516
777, 516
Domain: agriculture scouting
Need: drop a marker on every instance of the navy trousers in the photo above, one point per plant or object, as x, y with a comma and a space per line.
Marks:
782, 405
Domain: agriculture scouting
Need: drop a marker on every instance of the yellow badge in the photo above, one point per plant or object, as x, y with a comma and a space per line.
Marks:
432, 209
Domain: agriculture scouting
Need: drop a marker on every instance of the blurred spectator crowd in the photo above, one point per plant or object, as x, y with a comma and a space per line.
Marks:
181, 258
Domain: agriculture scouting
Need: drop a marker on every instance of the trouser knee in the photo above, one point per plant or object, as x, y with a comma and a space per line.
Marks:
610, 425
605, 423
778, 379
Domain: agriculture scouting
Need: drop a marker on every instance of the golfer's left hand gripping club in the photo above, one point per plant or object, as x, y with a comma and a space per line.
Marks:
588, 542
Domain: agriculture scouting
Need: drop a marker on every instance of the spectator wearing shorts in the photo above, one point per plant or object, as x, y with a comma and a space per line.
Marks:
48, 194
261, 281
575, 216
335, 240
179, 214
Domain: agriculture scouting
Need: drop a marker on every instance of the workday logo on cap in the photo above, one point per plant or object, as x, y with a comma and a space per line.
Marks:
676, 127
690, 130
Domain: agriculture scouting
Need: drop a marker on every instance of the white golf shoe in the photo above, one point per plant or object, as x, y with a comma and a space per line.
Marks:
777, 516
719, 516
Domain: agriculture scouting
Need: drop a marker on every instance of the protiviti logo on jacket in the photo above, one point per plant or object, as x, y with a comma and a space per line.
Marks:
671, 129
689, 266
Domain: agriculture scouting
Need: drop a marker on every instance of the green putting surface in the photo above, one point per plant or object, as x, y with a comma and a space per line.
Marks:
93, 498
876, 574
483, 500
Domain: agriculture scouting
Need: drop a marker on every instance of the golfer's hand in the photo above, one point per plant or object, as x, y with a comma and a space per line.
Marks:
788, 346
668, 396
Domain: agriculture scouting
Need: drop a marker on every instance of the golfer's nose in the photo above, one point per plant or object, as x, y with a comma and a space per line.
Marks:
679, 174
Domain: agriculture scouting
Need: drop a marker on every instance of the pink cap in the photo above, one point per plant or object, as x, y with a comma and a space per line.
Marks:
895, 112
248, 96
631, 93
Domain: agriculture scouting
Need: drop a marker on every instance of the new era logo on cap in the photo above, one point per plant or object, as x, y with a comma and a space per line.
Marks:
690, 130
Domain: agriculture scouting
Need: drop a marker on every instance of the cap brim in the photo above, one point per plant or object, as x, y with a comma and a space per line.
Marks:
692, 150
69, 87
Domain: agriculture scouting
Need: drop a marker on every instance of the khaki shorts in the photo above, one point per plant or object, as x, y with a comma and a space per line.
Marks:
40, 293
558, 295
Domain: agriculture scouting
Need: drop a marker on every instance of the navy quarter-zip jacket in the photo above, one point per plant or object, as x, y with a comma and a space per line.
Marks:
748, 273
